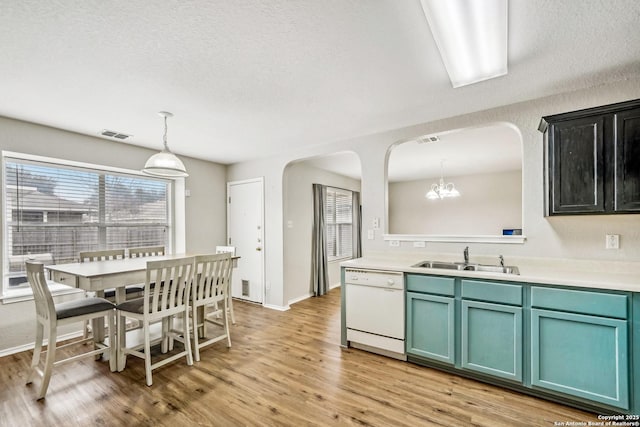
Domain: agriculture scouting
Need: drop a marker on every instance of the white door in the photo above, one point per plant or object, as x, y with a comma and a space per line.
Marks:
245, 231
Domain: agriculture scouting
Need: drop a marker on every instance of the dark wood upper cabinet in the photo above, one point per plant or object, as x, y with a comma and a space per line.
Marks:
592, 160
627, 161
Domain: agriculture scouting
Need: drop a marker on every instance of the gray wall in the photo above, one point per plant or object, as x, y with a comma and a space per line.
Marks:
573, 237
205, 216
488, 203
298, 208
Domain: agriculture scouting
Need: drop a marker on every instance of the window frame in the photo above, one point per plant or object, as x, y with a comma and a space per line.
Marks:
175, 214
343, 191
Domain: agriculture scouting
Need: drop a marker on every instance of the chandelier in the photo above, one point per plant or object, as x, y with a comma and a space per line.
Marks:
441, 190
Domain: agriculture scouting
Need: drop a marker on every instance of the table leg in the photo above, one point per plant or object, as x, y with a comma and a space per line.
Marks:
97, 325
201, 317
121, 333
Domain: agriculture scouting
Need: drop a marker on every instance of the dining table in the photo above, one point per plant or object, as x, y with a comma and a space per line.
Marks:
97, 276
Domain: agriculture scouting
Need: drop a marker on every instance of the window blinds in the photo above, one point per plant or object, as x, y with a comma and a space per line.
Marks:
339, 223
53, 212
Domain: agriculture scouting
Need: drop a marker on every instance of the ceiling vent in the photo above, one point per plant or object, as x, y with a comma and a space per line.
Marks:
427, 139
116, 135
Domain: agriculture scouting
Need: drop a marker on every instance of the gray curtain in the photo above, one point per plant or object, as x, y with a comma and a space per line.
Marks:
357, 228
319, 266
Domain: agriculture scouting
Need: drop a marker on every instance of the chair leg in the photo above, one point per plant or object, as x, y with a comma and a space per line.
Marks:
48, 365
147, 354
121, 336
196, 346
230, 308
37, 350
226, 326
187, 339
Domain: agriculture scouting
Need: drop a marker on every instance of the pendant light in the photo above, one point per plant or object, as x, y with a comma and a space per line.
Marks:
165, 163
441, 190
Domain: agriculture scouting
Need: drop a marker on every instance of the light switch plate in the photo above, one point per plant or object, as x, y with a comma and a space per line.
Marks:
375, 223
371, 234
419, 244
394, 243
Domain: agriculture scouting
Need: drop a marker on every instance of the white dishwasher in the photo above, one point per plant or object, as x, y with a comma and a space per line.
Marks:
374, 302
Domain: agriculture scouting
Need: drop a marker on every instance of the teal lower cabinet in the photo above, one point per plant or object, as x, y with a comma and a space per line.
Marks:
575, 346
492, 339
430, 326
580, 355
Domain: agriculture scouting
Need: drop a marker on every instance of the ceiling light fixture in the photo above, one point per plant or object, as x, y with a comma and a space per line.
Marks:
441, 190
471, 36
165, 163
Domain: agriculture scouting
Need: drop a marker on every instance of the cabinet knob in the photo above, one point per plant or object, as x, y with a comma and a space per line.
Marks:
390, 282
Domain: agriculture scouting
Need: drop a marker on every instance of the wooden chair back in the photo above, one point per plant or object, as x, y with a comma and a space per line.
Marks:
167, 286
213, 274
45, 307
107, 255
146, 251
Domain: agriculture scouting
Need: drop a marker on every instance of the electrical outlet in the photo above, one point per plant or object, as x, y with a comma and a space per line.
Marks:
371, 234
419, 244
394, 243
612, 241
375, 223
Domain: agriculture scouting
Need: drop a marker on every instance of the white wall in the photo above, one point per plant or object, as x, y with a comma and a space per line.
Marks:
205, 208
580, 237
488, 203
298, 207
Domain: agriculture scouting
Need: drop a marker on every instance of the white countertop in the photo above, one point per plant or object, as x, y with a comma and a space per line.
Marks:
620, 276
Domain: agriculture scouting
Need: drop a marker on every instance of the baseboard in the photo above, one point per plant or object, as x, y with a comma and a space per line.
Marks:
302, 298
335, 285
30, 346
276, 307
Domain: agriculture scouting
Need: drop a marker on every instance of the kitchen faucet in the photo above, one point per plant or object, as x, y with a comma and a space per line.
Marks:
466, 255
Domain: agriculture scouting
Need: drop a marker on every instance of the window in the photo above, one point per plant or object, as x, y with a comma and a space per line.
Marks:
339, 223
54, 211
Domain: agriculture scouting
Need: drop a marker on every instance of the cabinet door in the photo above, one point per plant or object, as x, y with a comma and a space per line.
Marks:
492, 339
627, 161
576, 166
584, 356
430, 327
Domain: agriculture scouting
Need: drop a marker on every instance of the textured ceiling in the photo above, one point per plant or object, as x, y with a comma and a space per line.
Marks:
246, 79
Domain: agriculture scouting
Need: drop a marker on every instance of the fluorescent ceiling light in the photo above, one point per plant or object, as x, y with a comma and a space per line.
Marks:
471, 36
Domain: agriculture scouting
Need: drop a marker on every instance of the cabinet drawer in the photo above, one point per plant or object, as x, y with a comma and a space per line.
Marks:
431, 284
593, 303
65, 279
492, 292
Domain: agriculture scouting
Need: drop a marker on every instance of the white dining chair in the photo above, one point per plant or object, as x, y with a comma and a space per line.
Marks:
232, 251
146, 251
51, 316
167, 299
211, 286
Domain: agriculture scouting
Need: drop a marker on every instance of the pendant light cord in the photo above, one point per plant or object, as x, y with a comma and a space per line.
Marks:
164, 138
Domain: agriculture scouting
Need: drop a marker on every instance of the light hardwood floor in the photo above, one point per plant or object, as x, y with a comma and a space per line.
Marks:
284, 369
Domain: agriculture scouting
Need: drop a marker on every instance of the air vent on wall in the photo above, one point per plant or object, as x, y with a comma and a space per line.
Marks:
427, 139
113, 134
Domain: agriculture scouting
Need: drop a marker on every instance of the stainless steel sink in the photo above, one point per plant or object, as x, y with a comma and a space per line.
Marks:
468, 267
493, 268
440, 264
